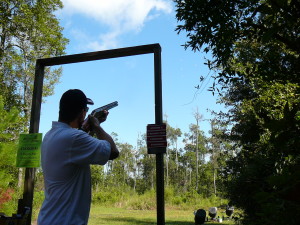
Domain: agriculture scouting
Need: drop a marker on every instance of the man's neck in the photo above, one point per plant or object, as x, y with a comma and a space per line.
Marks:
73, 124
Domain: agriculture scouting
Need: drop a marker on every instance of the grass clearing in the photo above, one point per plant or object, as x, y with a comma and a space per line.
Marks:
119, 216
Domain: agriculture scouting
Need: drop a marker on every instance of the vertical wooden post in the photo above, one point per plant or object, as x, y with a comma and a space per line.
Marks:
34, 128
159, 156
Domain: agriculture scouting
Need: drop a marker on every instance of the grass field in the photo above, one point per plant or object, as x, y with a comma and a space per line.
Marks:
119, 216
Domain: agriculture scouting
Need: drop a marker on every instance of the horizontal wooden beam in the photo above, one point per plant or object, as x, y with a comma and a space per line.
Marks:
106, 54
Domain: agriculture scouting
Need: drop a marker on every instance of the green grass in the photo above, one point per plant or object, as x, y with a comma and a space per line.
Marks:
119, 216
140, 210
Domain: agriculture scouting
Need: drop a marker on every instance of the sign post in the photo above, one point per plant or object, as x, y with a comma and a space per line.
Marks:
156, 144
160, 185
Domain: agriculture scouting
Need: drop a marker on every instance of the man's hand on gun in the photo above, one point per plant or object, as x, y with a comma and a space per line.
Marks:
97, 116
101, 116
91, 122
92, 126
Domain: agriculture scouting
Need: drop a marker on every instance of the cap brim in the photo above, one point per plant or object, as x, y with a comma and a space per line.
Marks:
89, 101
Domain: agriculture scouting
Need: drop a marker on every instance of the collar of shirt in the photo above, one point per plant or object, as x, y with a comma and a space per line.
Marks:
56, 124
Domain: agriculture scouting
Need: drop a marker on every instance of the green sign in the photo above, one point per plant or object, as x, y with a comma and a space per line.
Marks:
29, 151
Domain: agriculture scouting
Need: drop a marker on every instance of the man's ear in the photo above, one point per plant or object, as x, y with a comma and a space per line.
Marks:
82, 113
80, 116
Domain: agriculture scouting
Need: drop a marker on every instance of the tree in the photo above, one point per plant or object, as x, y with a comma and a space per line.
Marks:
217, 26
28, 30
266, 137
219, 149
24, 37
195, 147
172, 137
97, 177
8, 149
198, 117
255, 47
147, 163
172, 157
123, 166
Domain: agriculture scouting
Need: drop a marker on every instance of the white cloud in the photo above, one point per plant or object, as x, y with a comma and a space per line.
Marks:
119, 16
106, 41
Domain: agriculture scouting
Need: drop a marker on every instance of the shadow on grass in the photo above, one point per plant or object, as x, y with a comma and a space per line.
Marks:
135, 221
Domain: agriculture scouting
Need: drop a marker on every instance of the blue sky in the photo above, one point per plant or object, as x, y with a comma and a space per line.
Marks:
95, 25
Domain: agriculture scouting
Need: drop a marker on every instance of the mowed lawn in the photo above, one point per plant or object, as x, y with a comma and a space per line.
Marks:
119, 216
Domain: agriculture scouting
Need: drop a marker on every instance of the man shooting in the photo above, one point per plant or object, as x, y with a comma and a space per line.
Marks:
67, 153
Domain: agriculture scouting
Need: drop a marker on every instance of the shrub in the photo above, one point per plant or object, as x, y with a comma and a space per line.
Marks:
145, 201
9, 201
38, 199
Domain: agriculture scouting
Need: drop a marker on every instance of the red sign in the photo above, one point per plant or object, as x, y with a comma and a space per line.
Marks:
156, 136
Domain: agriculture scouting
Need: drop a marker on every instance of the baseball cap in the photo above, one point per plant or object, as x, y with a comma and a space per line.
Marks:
74, 100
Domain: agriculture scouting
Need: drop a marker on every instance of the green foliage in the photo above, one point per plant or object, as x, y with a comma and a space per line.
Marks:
217, 26
267, 164
146, 166
129, 181
145, 201
255, 49
9, 120
8, 151
24, 37
134, 171
8, 171
38, 199
112, 195
105, 197
10, 204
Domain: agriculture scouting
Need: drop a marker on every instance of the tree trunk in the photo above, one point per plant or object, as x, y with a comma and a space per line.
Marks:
215, 187
20, 178
167, 169
176, 155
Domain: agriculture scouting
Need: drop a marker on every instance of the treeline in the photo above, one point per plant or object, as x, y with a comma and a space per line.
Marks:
255, 49
193, 167
192, 171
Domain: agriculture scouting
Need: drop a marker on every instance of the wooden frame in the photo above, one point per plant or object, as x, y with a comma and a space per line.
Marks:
36, 110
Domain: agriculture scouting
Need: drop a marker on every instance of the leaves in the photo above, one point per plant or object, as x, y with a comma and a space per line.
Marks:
25, 36
9, 121
255, 49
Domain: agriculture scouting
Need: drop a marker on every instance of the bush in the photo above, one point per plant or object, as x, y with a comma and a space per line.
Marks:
169, 194
38, 199
177, 200
9, 202
111, 195
145, 201
127, 198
